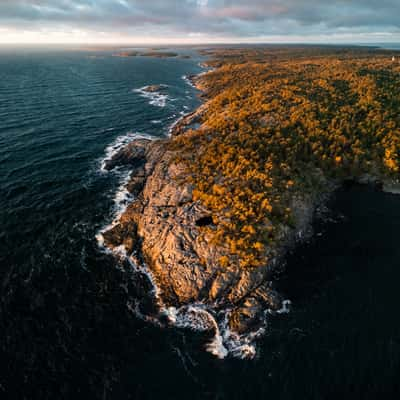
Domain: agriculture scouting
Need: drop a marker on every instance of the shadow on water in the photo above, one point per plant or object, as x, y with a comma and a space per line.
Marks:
67, 332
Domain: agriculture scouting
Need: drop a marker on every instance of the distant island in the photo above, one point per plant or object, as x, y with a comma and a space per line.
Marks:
156, 54
219, 204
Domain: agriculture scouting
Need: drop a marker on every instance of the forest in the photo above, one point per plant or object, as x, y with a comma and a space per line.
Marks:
281, 123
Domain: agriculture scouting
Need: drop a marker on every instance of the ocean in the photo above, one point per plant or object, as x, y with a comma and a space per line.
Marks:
68, 326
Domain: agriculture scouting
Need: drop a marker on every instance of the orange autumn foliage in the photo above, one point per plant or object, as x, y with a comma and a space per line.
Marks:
278, 122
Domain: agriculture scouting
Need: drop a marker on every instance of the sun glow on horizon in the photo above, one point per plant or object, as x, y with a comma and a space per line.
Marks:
80, 36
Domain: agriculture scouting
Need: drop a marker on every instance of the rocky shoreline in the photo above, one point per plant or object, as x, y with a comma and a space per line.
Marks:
160, 231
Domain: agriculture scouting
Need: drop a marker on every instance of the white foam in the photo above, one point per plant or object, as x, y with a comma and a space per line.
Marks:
198, 317
145, 270
238, 346
121, 199
122, 196
100, 240
182, 114
392, 187
135, 309
188, 81
285, 307
216, 346
245, 351
201, 318
155, 98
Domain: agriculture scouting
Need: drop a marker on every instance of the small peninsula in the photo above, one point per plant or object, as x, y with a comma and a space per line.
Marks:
218, 204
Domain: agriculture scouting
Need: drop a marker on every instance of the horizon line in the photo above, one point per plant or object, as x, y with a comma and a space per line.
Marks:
205, 43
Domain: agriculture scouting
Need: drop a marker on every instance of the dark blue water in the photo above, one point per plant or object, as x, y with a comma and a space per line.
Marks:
66, 329
58, 113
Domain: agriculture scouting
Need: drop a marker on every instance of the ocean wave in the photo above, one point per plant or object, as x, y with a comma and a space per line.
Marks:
156, 98
188, 81
285, 309
182, 114
202, 318
122, 198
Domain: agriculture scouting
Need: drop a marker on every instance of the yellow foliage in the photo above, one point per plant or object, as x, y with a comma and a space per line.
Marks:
275, 121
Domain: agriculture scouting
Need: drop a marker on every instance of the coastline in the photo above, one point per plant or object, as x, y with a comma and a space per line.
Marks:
160, 234
215, 315
192, 316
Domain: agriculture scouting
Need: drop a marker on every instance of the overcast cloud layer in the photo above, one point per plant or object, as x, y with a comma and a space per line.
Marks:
199, 20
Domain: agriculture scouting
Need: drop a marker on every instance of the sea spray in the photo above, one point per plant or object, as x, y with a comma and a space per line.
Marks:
198, 317
189, 81
122, 196
171, 128
156, 98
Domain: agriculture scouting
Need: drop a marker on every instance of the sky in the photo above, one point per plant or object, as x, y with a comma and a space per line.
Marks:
199, 21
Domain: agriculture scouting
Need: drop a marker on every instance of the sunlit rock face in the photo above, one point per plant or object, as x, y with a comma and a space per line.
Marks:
165, 230
217, 205
162, 229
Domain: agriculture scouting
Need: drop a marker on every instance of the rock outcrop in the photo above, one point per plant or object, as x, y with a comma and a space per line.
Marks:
162, 229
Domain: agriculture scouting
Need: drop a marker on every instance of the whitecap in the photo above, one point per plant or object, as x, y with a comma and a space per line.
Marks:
155, 98
188, 81
122, 198
182, 114
216, 346
285, 307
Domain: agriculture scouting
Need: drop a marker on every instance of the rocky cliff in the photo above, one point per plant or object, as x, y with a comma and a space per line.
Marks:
217, 205
162, 229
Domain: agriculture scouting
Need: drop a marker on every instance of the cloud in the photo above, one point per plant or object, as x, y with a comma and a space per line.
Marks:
205, 18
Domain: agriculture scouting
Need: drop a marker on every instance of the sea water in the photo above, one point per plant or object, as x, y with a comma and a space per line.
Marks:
75, 321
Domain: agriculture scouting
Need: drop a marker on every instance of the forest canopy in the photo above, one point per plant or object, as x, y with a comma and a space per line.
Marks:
278, 124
